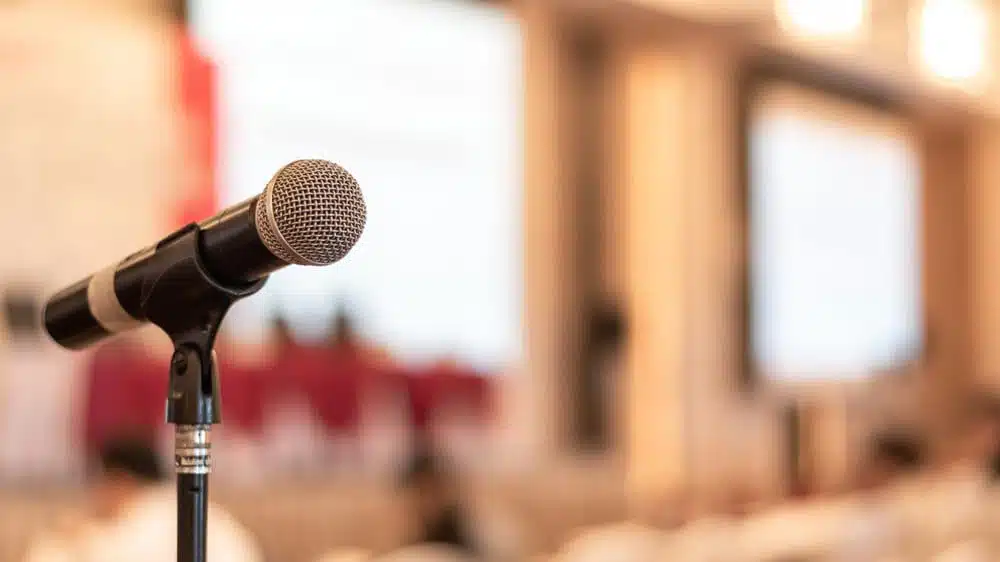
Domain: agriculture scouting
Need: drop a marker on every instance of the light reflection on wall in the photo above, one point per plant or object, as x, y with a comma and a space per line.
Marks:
842, 18
954, 36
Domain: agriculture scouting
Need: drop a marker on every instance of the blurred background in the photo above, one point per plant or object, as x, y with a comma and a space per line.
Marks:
635, 271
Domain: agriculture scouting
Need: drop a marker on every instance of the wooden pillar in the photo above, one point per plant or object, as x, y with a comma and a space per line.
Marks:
681, 251
714, 269
947, 279
654, 162
535, 419
984, 221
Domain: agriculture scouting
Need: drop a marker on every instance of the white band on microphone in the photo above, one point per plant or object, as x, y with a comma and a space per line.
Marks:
104, 304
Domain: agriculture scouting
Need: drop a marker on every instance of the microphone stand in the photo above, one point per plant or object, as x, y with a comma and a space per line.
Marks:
185, 301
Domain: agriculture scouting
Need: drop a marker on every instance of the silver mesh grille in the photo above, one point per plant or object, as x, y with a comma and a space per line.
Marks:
311, 213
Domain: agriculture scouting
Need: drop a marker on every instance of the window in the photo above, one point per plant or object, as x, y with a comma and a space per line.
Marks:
834, 238
420, 101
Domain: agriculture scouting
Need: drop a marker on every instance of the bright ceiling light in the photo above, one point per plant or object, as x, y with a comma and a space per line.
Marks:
823, 17
953, 38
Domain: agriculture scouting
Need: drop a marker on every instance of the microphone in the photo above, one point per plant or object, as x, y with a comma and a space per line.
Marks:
312, 212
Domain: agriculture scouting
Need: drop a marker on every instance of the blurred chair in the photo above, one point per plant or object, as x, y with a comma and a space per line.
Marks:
425, 553
455, 404
335, 387
497, 529
125, 393
295, 438
347, 555
39, 424
244, 390
953, 506
385, 428
311, 411
447, 385
705, 539
801, 530
333, 383
624, 542
966, 551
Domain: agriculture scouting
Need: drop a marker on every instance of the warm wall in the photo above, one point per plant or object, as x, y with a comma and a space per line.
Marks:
687, 428
88, 148
984, 169
654, 89
535, 423
675, 156
949, 303
88, 163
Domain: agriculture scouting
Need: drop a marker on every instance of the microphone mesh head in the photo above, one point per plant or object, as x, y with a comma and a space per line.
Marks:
311, 213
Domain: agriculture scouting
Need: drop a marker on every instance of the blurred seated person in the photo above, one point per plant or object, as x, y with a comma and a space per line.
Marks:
963, 504
438, 524
956, 498
704, 529
976, 437
622, 542
281, 336
426, 553
434, 507
347, 555
343, 337
134, 517
895, 459
124, 388
868, 527
743, 502
311, 406
882, 527
38, 389
991, 523
670, 512
345, 341
989, 429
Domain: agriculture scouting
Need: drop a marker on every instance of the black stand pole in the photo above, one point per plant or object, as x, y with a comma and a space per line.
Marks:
192, 447
187, 303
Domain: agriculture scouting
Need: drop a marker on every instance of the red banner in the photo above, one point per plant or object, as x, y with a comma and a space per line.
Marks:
197, 81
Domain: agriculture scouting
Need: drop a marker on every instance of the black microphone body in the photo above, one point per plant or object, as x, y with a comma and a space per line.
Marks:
311, 213
230, 249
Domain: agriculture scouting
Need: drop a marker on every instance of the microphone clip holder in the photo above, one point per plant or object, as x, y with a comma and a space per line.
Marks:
184, 300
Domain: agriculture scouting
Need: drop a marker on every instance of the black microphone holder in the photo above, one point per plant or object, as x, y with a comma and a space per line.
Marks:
183, 299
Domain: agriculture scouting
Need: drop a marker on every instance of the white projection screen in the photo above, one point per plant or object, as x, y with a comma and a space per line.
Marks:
421, 101
835, 237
